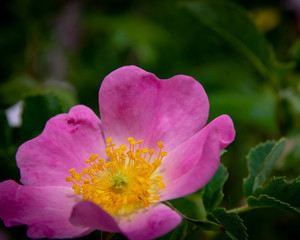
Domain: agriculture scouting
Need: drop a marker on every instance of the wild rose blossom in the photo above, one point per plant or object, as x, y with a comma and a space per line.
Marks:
151, 145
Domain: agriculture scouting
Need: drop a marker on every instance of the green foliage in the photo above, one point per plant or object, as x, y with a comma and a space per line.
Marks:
235, 26
278, 194
261, 161
212, 194
5, 132
230, 222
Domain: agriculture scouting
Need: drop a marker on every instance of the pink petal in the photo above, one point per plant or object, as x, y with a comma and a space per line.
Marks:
45, 210
135, 103
67, 140
150, 223
88, 214
192, 164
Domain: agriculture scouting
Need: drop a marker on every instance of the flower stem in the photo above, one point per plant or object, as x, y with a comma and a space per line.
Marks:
241, 209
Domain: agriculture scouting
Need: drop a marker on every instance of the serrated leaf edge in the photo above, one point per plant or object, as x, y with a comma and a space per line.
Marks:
220, 189
225, 230
248, 163
295, 210
282, 140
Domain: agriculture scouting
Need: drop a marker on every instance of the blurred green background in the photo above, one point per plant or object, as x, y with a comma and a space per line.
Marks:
246, 54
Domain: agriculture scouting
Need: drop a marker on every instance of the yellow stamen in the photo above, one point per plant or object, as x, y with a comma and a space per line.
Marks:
127, 181
160, 145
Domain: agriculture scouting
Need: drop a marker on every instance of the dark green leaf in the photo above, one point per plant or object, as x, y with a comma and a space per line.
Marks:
231, 223
223, 151
189, 206
37, 111
278, 194
213, 195
7, 150
261, 161
5, 131
204, 225
234, 25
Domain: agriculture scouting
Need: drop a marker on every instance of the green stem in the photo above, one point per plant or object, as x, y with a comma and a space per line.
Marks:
241, 209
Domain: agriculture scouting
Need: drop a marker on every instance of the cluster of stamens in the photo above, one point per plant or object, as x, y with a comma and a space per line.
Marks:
127, 180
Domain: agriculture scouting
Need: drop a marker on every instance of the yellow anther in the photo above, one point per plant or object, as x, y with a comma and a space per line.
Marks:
123, 147
160, 144
107, 164
71, 170
132, 142
119, 151
163, 153
73, 174
93, 157
87, 161
145, 150
109, 140
158, 179
77, 177
129, 154
69, 179
161, 185
139, 141
156, 197
156, 162
151, 152
130, 139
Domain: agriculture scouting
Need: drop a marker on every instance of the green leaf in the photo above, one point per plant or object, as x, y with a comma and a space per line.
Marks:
213, 195
235, 26
189, 206
5, 131
204, 225
7, 150
231, 223
37, 111
278, 194
261, 161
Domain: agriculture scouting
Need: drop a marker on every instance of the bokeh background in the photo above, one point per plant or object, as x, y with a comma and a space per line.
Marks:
55, 53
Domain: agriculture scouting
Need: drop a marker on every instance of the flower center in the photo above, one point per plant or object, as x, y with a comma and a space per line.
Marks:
119, 180
127, 181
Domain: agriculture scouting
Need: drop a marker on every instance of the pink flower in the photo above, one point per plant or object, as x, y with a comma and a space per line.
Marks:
128, 184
